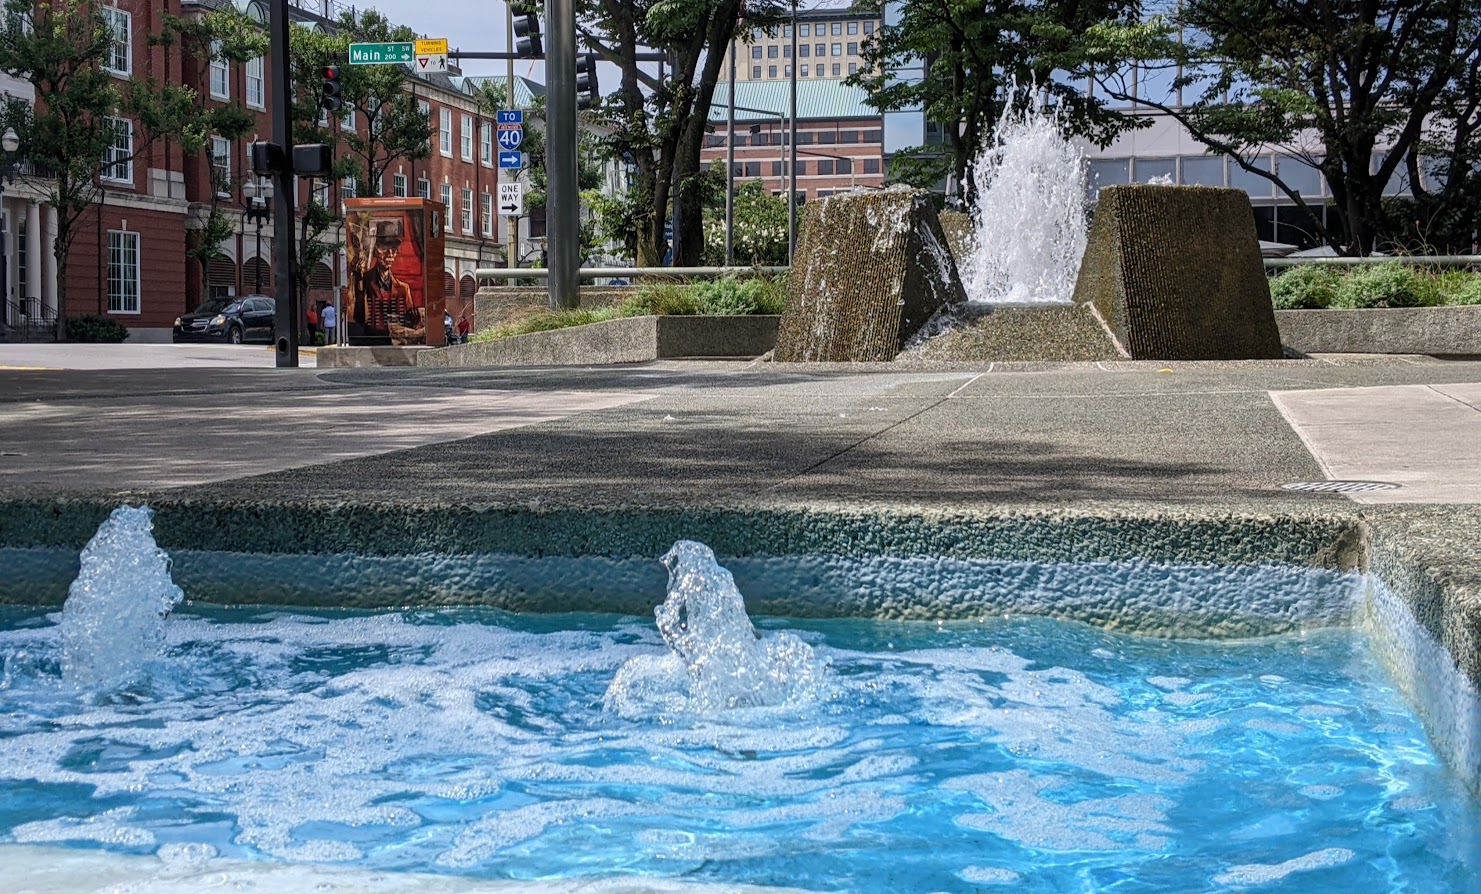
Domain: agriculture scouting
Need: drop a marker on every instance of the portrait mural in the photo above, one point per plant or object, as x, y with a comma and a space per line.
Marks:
394, 259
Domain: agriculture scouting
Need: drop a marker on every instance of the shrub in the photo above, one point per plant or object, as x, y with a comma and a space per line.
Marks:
659, 299
1465, 289
96, 328
1385, 285
729, 296
1310, 287
545, 322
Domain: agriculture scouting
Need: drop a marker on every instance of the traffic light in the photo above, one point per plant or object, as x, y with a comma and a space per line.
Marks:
527, 29
587, 91
330, 98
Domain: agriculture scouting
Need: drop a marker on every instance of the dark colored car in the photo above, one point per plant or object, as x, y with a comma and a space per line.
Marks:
233, 319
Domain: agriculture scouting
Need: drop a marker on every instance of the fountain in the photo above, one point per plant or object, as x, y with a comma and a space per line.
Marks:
112, 621
474, 749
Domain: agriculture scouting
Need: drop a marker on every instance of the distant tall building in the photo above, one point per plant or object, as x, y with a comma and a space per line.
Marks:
828, 46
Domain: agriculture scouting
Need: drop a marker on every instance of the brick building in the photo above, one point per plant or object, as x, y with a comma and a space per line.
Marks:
840, 143
128, 260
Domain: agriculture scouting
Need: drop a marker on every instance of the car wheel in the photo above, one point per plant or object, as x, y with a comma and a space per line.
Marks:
234, 335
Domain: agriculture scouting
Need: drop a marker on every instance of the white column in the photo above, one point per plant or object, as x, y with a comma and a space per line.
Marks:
49, 259
33, 253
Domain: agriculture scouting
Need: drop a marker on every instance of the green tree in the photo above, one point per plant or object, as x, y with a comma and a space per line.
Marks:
394, 128
232, 36
1329, 84
60, 48
658, 122
980, 58
759, 227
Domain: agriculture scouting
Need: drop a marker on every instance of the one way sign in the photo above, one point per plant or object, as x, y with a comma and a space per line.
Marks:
512, 199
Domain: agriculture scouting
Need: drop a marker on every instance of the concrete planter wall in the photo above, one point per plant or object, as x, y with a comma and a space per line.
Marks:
1397, 330
630, 340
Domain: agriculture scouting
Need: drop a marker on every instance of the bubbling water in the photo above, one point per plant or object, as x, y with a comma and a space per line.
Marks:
717, 662
113, 620
1028, 232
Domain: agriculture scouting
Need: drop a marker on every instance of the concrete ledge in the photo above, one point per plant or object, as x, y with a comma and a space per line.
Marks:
1396, 330
629, 340
346, 357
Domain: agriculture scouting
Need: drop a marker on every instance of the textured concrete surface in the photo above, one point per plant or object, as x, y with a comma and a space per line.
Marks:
627, 340
1396, 330
355, 356
1010, 333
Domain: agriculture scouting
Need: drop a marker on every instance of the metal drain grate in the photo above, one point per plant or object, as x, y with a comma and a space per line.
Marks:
1339, 487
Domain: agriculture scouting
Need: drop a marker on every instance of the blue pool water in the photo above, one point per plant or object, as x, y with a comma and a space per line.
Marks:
896, 757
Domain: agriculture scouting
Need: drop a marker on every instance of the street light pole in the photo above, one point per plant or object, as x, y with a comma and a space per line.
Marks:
257, 212
9, 143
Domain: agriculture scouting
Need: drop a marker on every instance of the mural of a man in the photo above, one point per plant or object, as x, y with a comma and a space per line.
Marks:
387, 303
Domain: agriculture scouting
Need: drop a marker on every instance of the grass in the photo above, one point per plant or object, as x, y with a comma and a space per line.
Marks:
1317, 286
726, 296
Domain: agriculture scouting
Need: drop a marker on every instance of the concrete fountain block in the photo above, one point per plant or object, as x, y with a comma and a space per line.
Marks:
869, 271
1175, 272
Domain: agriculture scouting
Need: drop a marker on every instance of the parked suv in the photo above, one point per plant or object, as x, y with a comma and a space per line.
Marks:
233, 319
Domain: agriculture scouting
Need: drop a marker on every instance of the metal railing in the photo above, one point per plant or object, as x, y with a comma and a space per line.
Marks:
628, 272
1417, 260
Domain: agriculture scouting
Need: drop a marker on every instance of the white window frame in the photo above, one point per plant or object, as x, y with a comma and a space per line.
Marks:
446, 195
424, 188
121, 65
347, 121
487, 209
486, 144
467, 210
465, 138
445, 131
220, 73
426, 109
349, 188
256, 85
221, 166
398, 185
118, 160
321, 192
121, 302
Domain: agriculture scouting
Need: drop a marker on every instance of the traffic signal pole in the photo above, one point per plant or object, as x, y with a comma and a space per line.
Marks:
562, 202
286, 317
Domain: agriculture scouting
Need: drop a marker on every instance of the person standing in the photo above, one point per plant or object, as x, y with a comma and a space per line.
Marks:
330, 318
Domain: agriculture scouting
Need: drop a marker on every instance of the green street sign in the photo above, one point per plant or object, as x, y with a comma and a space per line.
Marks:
401, 52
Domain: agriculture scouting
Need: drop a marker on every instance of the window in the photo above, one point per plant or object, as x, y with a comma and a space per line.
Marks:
118, 161
256, 96
802, 31
486, 143
1299, 176
424, 188
123, 272
398, 185
786, 30
836, 49
804, 71
848, 136
445, 131
803, 51
804, 137
1203, 171
467, 210
426, 110
853, 67
1254, 184
786, 71
321, 192
756, 71
776, 169
827, 137
787, 52
221, 165
845, 166
753, 169
837, 28
874, 136
465, 138
755, 52
853, 49
868, 27
120, 53
825, 166
447, 198
220, 73
820, 49
853, 28
771, 51
487, 202
837, 70
1108, 172
771, 71
871, 166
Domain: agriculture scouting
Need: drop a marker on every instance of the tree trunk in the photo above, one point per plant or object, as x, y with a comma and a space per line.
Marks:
59, 251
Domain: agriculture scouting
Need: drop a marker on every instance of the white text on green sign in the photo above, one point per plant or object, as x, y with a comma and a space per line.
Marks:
381, 53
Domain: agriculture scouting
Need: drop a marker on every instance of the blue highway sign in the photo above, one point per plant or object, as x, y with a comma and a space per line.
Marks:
511, 138
511, 159
511, 116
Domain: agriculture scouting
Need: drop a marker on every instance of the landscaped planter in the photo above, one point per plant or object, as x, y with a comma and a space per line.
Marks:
629, 340
1396, 330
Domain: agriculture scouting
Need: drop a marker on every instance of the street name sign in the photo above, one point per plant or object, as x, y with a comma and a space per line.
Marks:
382, 53
512, 199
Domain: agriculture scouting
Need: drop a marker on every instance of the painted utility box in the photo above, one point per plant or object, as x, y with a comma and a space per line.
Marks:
394, 251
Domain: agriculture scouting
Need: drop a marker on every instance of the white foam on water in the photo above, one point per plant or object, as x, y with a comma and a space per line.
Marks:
112, 622
1021, 813
1265, 873
989, 875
